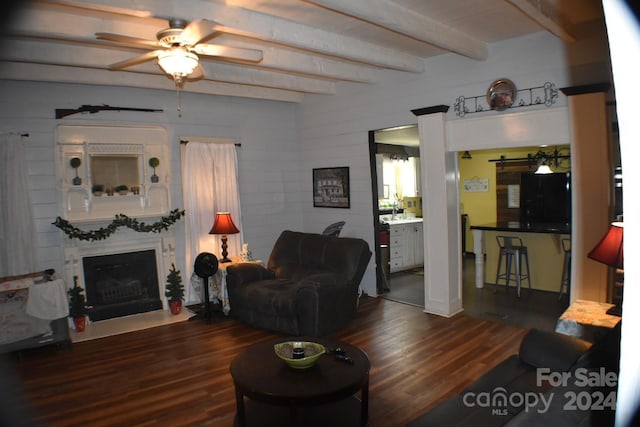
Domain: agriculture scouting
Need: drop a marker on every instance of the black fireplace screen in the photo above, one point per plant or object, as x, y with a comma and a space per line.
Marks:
121, 284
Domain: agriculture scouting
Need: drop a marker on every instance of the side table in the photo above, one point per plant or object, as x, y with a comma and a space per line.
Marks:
219, 283
279, 395
587, 320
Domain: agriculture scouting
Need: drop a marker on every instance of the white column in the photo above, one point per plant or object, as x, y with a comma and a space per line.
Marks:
440, 207
592, 181
479, 251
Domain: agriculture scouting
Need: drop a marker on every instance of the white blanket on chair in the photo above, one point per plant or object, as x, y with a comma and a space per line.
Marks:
48, 300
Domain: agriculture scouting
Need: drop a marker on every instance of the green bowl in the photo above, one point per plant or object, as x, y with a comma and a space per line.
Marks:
312, 352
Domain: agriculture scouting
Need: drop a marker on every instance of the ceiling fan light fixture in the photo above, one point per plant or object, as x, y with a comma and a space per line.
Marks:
177, 62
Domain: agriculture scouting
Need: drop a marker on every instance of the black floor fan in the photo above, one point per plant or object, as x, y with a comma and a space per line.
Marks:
205, 266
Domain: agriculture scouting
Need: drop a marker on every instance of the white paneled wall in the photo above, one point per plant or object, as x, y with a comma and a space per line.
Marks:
267, 159
282, 143
333, 131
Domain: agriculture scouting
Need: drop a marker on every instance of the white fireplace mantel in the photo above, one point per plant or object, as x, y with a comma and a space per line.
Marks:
122, 241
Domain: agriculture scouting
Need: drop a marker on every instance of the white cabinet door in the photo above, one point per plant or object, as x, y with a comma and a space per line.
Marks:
419, 248
406, 246
412, 245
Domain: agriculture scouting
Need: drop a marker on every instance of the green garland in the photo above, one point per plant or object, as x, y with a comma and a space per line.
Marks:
120, 220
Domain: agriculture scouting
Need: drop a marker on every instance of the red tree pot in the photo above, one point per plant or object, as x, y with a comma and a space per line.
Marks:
176, 306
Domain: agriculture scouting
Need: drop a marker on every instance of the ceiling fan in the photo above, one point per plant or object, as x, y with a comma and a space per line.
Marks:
178, 47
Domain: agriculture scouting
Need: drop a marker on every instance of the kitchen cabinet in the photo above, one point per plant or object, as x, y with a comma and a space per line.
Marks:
406, 245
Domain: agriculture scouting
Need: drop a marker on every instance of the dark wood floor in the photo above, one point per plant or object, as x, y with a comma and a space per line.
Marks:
534, 308
178, 375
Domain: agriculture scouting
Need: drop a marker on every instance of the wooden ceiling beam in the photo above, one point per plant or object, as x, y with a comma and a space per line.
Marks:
51, 53
397, 18
262, 27
62, 74
61, 25
545, 15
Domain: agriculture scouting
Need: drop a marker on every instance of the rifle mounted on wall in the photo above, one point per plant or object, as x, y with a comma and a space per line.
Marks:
92, 109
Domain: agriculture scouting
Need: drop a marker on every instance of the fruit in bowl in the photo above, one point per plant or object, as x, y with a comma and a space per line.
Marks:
299, 354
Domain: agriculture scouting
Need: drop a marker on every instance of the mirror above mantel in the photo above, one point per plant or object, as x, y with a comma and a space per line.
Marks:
103, 171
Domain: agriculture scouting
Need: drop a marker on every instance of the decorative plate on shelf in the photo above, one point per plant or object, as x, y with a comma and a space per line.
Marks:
501, 94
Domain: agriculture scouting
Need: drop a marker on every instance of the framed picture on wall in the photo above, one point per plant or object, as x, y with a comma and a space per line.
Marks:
331, 187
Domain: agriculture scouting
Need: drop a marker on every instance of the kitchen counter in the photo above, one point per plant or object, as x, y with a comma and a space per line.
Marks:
545, 250
526, 227
399, 221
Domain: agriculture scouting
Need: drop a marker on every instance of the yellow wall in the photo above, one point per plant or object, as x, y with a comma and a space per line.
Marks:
545, 259
545, 251
481, 207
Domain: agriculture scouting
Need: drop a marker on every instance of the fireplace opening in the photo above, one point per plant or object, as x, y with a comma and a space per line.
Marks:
121, 284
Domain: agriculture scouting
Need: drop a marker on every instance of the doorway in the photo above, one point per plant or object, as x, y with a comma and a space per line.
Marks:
397, 207
407, 285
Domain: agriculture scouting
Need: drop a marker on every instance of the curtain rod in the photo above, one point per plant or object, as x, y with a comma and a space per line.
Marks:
237, 144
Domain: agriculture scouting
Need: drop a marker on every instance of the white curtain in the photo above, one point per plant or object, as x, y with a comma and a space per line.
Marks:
16, 221
209, 185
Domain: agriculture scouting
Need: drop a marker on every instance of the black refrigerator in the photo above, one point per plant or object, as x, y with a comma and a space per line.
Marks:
545, 198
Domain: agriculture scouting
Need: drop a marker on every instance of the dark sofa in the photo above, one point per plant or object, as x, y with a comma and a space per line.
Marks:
554, 380
308, 288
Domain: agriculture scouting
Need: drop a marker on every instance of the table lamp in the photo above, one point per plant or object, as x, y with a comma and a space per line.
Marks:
224, 225
610, 251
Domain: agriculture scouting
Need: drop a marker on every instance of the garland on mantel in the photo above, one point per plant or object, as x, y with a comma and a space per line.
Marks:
120, 220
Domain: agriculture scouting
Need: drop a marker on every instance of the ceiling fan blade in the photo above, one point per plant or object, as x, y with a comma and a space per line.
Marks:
196, 31
196, 74
251, 55
126, 39
135, 60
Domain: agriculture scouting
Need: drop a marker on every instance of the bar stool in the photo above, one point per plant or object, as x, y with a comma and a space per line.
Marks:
512, 249
566, 268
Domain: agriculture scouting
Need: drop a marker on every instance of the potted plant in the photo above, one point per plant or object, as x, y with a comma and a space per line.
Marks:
97, 190
75, 163
174, 290
154, 163
77, 306
122, 189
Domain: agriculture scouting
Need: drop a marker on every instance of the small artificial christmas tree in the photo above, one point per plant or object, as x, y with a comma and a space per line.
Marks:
174, 290
77, 305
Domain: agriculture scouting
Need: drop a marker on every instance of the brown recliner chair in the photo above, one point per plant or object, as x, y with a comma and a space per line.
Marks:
309, 287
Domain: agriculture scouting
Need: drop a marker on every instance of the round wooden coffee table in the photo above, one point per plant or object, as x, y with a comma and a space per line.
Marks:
321, 395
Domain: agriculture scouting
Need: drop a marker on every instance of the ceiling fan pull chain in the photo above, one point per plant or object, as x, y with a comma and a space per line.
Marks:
179, 99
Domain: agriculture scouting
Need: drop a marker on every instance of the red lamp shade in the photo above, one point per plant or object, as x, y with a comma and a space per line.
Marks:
224, 225
610, 249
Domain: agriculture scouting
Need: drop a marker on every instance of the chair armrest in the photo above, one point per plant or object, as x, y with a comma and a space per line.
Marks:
543, 349
246, 272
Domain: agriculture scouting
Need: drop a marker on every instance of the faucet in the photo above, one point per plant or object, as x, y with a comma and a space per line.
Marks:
394, 210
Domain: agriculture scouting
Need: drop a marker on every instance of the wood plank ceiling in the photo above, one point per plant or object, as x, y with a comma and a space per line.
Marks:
307, 46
